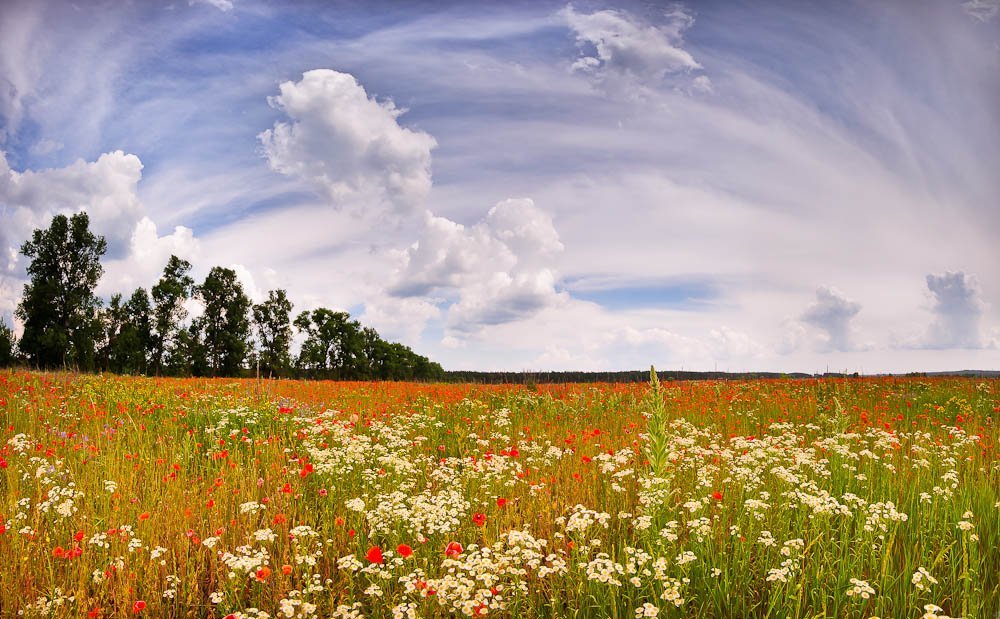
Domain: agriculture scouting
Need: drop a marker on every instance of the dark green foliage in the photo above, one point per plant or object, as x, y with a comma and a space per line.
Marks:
274, 331
339, 348
190, 357
8, 345
59, 309
65, 325
169, 294
333, 343
225, 325
129, 334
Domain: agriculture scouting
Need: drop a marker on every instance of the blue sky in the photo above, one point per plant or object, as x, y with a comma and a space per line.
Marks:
538, 185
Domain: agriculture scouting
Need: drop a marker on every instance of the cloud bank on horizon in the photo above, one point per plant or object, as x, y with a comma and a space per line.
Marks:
782, 186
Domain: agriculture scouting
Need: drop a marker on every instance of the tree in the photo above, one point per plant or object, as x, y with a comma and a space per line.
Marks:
129, 334
190, 355
225, 325
59, 309
274, 329
8, 345
333, 345
169, 294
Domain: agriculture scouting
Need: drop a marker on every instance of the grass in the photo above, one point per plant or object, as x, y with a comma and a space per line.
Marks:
217, 498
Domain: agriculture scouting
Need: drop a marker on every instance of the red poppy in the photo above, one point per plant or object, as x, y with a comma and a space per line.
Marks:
286, 569
374, 555
404, 550
501, 502
717, 495
479, 519
263, 573
139, 606
453, 549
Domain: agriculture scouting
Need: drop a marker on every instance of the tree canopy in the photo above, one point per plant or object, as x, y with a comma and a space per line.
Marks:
66, 325
59, 309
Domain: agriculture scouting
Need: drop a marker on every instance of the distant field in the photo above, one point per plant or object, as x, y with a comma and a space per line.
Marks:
125, 497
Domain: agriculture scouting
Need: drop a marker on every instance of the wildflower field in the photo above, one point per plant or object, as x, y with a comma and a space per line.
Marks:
128, 497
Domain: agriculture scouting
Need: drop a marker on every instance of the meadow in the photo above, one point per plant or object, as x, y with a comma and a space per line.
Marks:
224, 498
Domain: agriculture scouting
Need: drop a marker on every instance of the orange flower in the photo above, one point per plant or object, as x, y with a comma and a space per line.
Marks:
144, 516
286, 569
263, 573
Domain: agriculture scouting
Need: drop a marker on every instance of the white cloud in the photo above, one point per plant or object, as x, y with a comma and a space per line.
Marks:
222, 5
498, 269
726, 343
983, 10
105, 188
832, 313
347, 145
617, 45
148, 253
503, 298
399, 319
958, 309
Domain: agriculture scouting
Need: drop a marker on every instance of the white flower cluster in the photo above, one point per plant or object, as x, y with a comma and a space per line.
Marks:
922, 579
860, 588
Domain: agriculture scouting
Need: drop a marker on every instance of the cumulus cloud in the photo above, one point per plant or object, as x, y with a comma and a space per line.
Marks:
147, 254
725, 343
105, 188
503, 298
347, 145
498, 269
958, 309
983, 10
615, 45
831, 313
396, 318
222, 5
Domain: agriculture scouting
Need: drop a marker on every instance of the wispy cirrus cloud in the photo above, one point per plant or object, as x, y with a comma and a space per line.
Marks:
755, 152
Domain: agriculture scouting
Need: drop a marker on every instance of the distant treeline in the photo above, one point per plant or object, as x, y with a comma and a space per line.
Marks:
66, 326
641, 376
629, 376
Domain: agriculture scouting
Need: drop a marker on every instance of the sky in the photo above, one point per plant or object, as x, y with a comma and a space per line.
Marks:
768, 186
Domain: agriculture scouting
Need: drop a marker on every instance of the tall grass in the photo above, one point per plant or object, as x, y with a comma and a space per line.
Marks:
125, 497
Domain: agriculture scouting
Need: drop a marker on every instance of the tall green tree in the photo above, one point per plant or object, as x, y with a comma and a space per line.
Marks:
274, 331
333, 345
225, 325
175, 287
8, 345
190, 357
129, 334
59, 309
